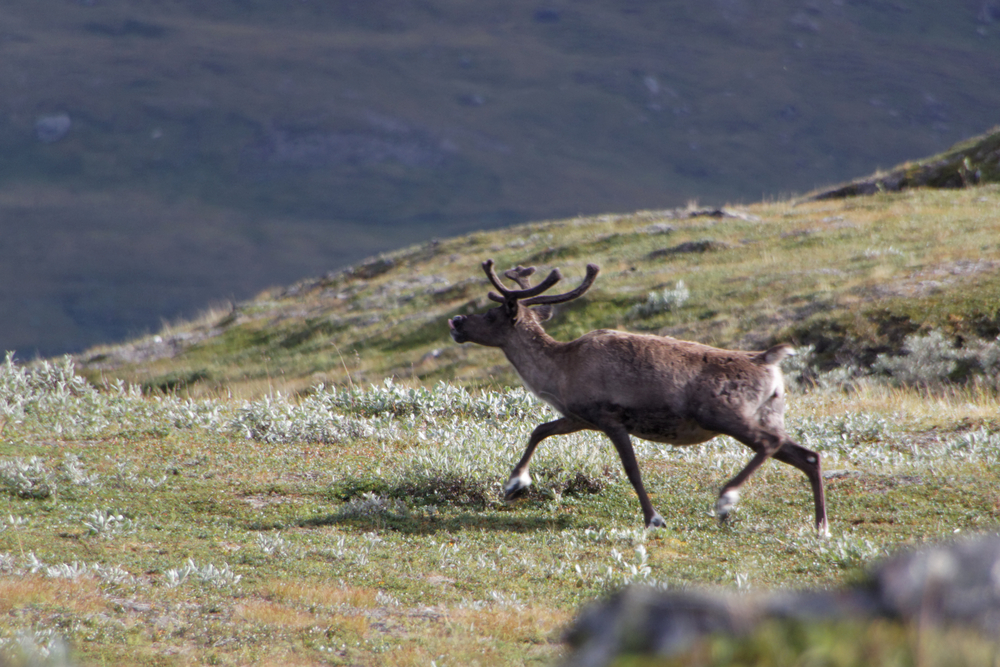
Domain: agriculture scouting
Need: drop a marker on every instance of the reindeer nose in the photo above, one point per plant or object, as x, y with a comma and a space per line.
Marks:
455, 321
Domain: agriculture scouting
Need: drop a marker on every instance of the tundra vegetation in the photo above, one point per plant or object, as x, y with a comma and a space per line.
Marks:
314, 477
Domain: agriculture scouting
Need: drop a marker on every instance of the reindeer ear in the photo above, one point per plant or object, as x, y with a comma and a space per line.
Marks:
543, 313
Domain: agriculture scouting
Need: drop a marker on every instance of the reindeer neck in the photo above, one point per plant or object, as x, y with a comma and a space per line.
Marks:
533, 353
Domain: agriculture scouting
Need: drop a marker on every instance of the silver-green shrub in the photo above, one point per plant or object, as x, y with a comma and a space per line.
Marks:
49, 397
934, 360
371, 505
663, 301
462, 441
801, 374
277, 420
26, 478
928, 360
34, 648
337, 415
206, 574
442, 400
441, 444
107, 524
272, 545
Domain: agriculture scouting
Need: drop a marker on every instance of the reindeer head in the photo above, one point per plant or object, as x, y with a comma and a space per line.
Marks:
520, 308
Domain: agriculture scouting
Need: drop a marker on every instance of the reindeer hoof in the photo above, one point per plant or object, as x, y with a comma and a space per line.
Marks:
514, 494
515, 485
725, 505
656, 521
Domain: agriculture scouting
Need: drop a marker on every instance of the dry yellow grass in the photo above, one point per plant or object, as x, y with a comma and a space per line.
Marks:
312, 593
967, 406
476, 637
535, 624
81, 595
407, 635
275, 615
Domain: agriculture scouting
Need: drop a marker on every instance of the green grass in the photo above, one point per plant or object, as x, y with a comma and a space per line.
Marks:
364, 526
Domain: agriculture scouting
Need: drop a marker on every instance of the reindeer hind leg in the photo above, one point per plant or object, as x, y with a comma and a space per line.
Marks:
808, 462
764, 446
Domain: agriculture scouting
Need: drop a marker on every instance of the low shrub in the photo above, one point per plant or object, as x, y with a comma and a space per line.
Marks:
663, 301
934, 360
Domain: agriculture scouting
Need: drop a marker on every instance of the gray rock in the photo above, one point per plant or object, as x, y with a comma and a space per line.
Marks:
702, 246
957, 583
948, 584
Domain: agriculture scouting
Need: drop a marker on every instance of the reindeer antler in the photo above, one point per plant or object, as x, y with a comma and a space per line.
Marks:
530, 296
519, 274
592, 270
517, 295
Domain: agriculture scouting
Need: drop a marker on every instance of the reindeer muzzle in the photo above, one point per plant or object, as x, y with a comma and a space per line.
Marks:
454, 326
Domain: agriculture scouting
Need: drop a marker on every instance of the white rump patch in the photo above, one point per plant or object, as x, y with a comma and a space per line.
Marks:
777, 353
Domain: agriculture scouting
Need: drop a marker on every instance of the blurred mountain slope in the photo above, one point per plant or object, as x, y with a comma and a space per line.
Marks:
159, 156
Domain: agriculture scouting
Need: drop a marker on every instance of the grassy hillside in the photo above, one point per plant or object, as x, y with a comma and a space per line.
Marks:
215, 149
850, 277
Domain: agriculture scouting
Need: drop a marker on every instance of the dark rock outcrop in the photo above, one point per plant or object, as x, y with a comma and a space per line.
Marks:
968, 163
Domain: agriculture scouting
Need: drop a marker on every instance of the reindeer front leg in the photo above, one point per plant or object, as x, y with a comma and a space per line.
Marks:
519, 477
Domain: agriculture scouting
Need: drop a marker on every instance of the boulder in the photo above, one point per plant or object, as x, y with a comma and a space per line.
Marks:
956, 583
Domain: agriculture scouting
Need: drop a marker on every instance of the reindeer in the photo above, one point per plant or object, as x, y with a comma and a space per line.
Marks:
653, 387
